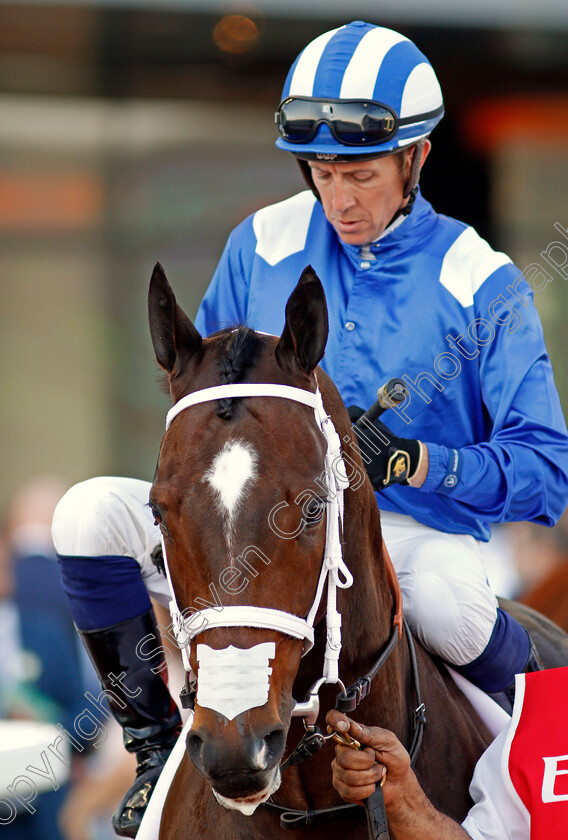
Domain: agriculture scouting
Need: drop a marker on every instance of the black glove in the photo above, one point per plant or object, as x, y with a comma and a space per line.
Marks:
388, 459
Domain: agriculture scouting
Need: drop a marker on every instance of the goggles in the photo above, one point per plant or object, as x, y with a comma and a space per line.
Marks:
352, 122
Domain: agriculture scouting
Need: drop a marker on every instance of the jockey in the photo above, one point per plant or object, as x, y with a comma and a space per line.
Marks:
411, 294
519, 787
416, 295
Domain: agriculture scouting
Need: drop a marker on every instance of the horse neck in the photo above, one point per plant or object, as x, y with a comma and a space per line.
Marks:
367, 624
367, 616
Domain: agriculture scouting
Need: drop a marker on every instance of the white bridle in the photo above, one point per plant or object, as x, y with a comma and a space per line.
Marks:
333, 569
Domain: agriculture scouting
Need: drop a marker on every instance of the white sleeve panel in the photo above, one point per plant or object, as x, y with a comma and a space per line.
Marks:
282, 229
468, 262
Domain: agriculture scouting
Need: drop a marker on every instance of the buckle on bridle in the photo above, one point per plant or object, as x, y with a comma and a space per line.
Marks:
348, 700
420, 713
188, 693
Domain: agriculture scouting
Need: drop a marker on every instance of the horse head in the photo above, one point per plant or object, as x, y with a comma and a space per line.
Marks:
243, 497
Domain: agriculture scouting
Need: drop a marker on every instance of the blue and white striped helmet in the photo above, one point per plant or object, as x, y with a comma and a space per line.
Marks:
360, 64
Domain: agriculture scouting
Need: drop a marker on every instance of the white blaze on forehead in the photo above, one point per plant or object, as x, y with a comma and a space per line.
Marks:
231, 469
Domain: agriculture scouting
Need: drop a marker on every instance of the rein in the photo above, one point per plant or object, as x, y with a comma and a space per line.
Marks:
348, 699
314, 741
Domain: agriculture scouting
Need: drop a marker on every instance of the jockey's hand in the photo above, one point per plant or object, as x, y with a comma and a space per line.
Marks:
388, 459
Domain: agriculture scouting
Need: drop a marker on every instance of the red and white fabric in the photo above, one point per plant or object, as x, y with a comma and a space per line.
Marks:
520, 785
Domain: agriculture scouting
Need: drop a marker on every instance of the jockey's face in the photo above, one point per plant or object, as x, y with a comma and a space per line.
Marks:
359, 199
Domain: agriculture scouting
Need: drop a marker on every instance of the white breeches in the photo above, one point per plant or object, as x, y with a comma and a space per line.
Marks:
447, 600
446, 597
110, 516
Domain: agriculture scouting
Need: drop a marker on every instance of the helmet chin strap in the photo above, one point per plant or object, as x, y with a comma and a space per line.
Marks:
410, 188
307, 176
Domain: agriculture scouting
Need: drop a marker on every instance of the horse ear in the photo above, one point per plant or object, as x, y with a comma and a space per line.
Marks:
304, 336
173, 333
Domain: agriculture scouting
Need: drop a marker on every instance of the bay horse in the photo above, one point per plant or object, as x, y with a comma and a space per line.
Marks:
247, 505
550, 596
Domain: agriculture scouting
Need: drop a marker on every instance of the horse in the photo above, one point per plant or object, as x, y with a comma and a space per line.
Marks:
250, 491
550, 596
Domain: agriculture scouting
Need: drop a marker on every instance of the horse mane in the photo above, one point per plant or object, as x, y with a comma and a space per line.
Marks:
242, 351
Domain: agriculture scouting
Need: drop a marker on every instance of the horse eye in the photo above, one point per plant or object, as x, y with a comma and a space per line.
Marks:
313, 511
158, 519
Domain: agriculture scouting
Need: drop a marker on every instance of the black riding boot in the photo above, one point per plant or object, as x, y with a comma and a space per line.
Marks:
506, 698
140, 702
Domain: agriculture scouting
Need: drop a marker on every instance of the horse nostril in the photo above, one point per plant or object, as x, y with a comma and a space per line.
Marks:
194, 746
268, 750
275, 742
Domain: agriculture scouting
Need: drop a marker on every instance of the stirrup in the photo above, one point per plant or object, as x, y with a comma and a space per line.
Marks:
128, 816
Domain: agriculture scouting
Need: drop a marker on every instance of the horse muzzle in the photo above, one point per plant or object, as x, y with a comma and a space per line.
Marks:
243, 770
247, 805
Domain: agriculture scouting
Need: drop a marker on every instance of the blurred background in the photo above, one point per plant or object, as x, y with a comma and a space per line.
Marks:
132, 131
140, 130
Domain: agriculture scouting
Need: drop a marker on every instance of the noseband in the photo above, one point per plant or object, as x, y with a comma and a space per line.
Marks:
333, 569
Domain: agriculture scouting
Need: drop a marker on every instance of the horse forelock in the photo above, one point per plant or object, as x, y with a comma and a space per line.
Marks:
242, 351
